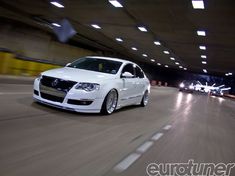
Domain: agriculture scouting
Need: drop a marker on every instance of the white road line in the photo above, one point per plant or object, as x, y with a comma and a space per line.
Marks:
14, 93
144, 147
124, 164
167, 127
157, 136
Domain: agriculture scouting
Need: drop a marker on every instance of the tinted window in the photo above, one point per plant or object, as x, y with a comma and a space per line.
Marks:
139, 73
128, 68
96, 64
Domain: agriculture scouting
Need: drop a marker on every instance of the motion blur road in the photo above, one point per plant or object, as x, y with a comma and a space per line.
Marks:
37, 140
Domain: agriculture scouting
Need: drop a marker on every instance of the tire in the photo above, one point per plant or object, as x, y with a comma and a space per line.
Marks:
145, 99
110, 102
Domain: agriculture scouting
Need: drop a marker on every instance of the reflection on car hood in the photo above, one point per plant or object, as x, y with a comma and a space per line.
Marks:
78, 75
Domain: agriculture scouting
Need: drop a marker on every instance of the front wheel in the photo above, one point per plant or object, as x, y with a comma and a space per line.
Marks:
110, 102
145, 99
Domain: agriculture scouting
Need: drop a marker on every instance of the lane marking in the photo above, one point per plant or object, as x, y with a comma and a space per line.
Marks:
124, 164
167, 127
144, 147
14, 93
157, 136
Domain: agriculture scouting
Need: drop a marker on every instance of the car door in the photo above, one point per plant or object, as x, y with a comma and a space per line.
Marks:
140, 81
128, 88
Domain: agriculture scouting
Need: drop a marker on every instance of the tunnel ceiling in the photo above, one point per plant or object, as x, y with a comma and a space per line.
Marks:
173, 23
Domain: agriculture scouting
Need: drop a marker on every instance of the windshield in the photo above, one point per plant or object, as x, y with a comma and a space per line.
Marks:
96, 64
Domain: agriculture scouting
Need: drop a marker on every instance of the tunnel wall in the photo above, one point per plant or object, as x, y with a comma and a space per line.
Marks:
34, 43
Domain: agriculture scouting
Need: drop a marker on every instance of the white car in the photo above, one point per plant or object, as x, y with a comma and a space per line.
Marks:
93, 84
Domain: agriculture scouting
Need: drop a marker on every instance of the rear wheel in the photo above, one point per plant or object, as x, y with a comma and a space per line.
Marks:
110, 102
145, 99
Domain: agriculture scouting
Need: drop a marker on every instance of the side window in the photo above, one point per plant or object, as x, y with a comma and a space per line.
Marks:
139, 72
128, 68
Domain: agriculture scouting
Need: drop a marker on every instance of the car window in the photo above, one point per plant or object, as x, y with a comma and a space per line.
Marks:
128, 68
139, 73
96, 64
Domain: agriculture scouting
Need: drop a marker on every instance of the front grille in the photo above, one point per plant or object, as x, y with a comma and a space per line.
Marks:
56, 83
35, 92
52, 97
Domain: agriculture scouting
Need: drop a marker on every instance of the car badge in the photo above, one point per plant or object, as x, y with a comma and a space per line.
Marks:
54, 83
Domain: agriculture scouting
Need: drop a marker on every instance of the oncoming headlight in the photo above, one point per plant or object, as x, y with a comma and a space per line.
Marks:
87, 86
191, 87
182, 85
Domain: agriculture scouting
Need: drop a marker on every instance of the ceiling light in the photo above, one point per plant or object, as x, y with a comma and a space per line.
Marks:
202, 47
57, 4
152, 60
203, 56
180, 66
201, 33
166, 66
185, 68
119, 39
56, 24
134, 48
204, 70
172, 58
157, 43
204, 62
177, 63
198, 4
145, 55
96, 26
230, 73
226, 74
115, 3
166, 52
158, 64
143, 29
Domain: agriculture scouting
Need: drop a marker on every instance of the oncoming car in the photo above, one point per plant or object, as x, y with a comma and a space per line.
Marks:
93, 84
186, 86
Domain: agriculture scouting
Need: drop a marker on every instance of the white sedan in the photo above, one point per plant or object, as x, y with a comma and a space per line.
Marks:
93, 84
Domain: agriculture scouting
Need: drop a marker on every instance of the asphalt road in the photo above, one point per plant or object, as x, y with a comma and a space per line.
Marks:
37, 140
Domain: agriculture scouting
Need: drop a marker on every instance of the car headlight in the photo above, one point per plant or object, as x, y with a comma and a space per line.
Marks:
87, 86
182, 85
191, 87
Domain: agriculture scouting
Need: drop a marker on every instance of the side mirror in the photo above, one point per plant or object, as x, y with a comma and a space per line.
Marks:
127, 75
68, 64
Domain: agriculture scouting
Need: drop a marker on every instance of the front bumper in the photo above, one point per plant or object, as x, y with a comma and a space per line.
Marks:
74, 100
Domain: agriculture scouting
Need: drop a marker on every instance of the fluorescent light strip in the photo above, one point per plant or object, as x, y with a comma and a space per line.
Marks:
134, 48
203, 56
177, 63
166, 52
96, 26
157, 43
152, 60
204, 70
172, 58
145, 55
159, 64
202, 47
56, 24
115, 3
180, 66
204, 62
198, 4
142, 28
57, 4
166, 66
119, 39
201, 33
185, 68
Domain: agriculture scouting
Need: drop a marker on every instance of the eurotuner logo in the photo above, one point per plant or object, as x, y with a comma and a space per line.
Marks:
189, 169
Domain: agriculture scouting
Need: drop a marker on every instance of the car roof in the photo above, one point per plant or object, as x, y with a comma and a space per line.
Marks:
111, 58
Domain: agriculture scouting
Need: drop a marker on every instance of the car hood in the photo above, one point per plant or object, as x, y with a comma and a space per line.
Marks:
78, 75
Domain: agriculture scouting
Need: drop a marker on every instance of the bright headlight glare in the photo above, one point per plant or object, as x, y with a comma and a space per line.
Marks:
181, 85
191, 87
87, 86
